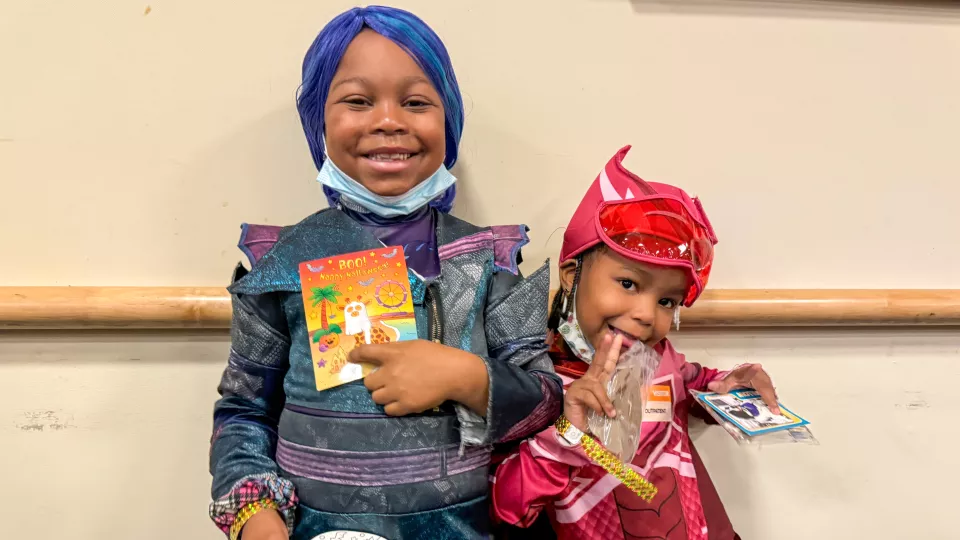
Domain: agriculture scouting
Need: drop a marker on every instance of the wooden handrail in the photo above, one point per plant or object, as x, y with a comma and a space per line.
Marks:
114, 307
209, 307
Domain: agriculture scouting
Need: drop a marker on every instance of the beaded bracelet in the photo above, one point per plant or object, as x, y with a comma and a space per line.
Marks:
602, 457
248, 512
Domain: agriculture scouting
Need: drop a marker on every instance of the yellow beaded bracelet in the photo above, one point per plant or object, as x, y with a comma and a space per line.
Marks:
602, 457
247, 512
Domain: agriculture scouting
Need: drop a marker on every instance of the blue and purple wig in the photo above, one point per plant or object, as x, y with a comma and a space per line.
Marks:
410, 34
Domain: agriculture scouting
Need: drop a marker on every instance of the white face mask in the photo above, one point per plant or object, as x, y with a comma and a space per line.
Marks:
397, 205
569, 328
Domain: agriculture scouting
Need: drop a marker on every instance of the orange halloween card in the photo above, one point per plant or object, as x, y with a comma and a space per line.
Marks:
354, 300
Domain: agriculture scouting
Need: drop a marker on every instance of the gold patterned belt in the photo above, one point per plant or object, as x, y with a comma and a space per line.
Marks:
602, 457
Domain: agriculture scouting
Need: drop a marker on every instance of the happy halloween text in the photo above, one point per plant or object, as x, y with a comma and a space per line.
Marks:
358, 267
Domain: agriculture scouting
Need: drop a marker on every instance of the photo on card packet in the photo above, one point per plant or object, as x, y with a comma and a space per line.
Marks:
746, 410
743, 414
354, 300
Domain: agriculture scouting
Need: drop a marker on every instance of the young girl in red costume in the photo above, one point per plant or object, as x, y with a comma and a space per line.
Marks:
633, 253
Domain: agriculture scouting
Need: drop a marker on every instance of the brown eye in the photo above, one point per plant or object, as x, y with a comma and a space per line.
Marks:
627, 284
357, 101
416, 104
668, 303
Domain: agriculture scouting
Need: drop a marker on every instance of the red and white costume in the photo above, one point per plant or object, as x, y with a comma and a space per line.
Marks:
655, 224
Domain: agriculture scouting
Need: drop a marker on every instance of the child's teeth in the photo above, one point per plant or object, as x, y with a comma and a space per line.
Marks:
390, 157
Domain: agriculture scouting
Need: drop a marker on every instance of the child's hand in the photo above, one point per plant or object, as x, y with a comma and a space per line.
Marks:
590, 390
749, 376
265, 525
418, 375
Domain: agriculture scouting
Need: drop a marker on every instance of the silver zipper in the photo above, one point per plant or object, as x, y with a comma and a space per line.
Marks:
436, 327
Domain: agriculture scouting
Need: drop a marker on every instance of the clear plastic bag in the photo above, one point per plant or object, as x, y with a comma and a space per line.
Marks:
800, 434
627, 387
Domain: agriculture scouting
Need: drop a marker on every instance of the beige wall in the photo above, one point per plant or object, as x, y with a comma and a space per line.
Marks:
821, 136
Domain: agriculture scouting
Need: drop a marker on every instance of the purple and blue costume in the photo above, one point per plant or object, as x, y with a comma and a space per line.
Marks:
333, 460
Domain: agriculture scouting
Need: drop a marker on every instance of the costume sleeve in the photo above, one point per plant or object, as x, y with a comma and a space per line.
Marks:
697, 377
536, 474
525, 395
246, 415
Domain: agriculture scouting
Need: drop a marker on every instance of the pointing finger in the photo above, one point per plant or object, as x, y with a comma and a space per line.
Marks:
376, 355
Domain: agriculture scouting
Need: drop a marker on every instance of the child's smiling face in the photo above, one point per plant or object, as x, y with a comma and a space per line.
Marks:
618, 295
384, 120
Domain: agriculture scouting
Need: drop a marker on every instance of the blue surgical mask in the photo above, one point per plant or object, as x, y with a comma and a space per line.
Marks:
397, 205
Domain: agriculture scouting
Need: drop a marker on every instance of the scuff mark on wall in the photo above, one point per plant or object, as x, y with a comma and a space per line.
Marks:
915, 401
919, 403
45, 420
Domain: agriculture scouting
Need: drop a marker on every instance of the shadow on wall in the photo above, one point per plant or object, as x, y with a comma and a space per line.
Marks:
260, 173
98, 348
490, 151
920, 11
